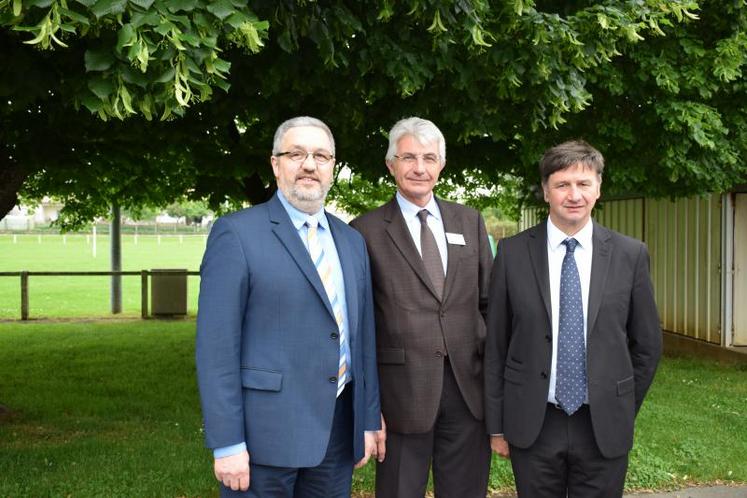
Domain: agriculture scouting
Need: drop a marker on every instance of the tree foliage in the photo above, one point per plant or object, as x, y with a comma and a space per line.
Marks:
657, 85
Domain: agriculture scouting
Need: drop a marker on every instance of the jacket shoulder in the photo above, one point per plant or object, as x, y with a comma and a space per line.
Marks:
370, 218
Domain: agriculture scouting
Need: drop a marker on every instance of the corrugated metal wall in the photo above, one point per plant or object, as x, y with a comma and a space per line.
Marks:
624, 216
684, 241
530, 217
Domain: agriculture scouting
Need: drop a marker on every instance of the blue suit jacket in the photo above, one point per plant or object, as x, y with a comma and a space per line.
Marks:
266, 356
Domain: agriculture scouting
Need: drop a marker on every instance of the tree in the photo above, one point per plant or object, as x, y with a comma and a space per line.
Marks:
655, 84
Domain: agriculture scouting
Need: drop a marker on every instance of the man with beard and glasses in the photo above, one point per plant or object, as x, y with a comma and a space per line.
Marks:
286, 355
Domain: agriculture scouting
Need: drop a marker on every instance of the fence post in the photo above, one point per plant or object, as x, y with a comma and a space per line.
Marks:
24, 295
144, 294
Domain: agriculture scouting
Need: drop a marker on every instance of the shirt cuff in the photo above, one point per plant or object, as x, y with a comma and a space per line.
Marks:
229, 450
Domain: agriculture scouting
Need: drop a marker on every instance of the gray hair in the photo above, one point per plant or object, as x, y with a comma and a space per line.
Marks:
422, 130
569, 154
296, 122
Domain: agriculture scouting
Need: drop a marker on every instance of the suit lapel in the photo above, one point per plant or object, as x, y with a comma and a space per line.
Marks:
600, 263
538, 255
400, 235
345, 253
451, 224
286, 232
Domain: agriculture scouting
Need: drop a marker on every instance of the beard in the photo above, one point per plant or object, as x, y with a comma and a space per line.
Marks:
307, 199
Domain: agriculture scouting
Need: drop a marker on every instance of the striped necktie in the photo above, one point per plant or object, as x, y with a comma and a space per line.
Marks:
324, 268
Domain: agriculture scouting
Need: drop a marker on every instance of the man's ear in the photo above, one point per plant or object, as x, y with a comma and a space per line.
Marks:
274, 162
390, 167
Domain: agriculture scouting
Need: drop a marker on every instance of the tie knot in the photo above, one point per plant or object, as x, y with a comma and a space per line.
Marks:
312, 222
570, 245
423, 215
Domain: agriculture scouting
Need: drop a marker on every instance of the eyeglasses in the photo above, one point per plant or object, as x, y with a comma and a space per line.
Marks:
300, 156
429, 159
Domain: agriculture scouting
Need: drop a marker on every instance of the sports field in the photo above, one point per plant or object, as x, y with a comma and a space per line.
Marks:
61, 297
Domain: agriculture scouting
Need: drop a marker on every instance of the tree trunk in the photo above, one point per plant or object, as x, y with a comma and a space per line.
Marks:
12, 176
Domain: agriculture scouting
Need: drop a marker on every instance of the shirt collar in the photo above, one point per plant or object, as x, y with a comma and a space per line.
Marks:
555, 236
298, 217
410, 210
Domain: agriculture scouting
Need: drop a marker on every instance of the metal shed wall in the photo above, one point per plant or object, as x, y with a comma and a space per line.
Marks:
684, 240
624, 216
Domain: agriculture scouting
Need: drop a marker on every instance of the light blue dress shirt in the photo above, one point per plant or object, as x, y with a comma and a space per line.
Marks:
298, 219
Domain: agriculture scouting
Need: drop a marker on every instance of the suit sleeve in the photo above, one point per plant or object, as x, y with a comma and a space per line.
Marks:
223, 296
496, 343
644, 332
370, 368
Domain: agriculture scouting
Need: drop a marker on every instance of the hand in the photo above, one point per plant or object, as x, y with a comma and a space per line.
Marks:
369, 448
375, 445
233, 471
381, 441
499, 446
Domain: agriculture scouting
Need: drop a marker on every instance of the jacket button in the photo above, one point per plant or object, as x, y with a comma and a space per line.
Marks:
334, 336
333, 380
543, 375
443, 314
548, 338
439, 354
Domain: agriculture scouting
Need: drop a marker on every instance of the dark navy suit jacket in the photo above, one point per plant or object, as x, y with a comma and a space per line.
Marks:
267, 351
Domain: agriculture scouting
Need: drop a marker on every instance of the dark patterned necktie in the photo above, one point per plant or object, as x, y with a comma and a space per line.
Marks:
429, 252
570, 382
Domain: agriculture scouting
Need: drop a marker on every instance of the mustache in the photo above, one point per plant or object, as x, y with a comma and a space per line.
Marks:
307, 175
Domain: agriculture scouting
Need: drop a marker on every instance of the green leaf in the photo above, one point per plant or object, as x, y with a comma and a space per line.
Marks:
221, 9
42, 4
145, 4
126, 37
134, 77
71, 14
150, 18
108, 7
91, 102
236, 19
87, 3
179, 5
166, 76
101, 87
17, 4
98, 60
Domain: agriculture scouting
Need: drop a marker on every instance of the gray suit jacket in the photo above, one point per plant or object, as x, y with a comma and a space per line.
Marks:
623, 342
413, 327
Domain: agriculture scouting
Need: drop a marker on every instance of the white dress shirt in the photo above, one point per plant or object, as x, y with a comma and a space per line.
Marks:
435, 223
555, 255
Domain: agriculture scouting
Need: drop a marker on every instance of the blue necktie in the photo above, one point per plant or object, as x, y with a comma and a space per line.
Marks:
570, 382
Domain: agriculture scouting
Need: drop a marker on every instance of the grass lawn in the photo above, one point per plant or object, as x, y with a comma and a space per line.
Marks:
111, 409
88, 296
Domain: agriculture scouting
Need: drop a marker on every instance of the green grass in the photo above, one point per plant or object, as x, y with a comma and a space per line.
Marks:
111, 409
60, 297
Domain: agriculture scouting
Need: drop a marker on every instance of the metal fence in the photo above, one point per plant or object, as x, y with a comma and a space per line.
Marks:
145, 276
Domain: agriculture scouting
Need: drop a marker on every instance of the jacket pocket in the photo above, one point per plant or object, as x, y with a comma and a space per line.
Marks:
625, 386
513, 376
390, 355
263, 380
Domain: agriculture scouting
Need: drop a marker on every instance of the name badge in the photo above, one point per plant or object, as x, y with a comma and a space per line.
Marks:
455, 238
